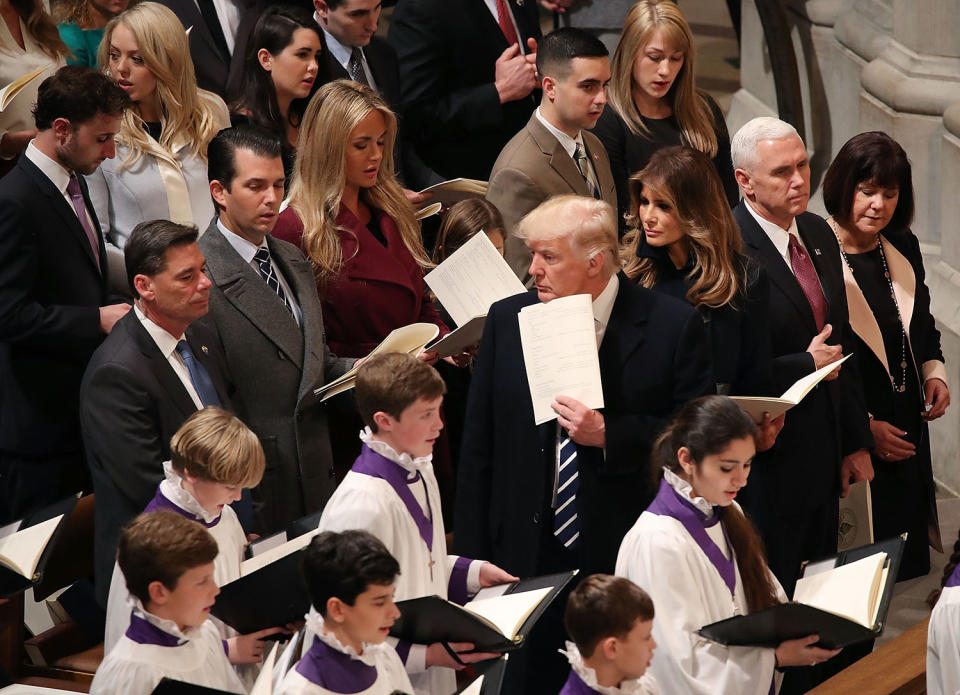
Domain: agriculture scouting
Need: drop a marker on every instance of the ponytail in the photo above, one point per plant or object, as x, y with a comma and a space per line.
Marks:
952, 563
706, 426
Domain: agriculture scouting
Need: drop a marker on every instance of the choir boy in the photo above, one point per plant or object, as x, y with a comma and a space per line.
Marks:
391, 492
167, 562
350, 577
610, 620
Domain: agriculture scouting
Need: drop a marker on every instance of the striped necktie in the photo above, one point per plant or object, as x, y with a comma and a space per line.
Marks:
262, 257
586, 171
566, 522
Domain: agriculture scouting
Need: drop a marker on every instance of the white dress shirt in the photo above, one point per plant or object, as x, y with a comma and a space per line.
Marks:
247, 251
342, 54
168, 348
229, 16
777, 234
568, 143
492, 6
58, 176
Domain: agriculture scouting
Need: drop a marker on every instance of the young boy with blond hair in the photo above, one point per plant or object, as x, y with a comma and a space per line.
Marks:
214, 456
167, 564
610, 620
392, 492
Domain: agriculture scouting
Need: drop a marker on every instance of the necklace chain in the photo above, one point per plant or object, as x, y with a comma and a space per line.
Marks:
902, 386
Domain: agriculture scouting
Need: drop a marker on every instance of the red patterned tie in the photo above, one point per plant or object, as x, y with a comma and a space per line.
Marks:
506, 23
806, 275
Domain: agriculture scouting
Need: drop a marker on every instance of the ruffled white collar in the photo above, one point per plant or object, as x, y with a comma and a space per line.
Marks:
685, 490
405, 461
633, 686
168, 626
172, 488
314, 624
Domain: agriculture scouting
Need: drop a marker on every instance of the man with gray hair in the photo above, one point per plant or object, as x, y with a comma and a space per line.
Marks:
795, 485
514, 503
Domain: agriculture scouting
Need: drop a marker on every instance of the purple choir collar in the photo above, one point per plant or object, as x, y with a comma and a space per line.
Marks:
143, 632
576, 686
954, 579
160, 501
334, 670
669, 502
373, 464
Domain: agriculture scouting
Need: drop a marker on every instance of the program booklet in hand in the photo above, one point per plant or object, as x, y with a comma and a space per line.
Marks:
756, 406
497, 620
466, 284
453, 191
410, 339
13, 89
560, 353
844, 599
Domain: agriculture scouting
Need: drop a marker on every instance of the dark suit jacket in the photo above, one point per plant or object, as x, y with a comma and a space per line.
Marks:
801, 471
533, 167
653, 359
51, 289
214, 72
132, 403
277, 365
451, 110
379, 287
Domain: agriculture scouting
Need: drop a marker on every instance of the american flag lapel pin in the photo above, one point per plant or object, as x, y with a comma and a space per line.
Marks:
205, 351
817, 251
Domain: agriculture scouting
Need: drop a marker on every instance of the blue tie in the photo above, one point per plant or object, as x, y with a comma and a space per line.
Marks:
566, 523
262, 257
198, 375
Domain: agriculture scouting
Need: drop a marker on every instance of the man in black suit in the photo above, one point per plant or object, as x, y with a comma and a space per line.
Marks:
218, 39
512, 494
265, 310
468, 77
794, 486
150, 374
53, 289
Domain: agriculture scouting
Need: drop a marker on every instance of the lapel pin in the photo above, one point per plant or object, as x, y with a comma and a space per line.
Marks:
817, 251
204, 349
520, 3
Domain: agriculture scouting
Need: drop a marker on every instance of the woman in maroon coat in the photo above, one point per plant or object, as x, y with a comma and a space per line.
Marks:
348, 214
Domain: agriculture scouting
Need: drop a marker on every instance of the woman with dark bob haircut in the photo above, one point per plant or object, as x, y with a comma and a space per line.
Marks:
868, 191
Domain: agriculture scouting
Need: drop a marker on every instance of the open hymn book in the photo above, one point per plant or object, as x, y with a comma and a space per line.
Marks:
466, 284
497, 619
410, 339
13, 89
448, 193
844, 599
26, 545
756, 406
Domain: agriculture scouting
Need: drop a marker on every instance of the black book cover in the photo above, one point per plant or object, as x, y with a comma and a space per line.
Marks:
787, 621
430, 619
12, 582
168, 686
272, 596
492, 672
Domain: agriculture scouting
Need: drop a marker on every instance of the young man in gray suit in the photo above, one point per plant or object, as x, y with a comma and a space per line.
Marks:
554, 154
265, 309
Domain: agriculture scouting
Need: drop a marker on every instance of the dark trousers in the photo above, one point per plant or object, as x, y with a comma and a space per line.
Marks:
793, 539
29, 484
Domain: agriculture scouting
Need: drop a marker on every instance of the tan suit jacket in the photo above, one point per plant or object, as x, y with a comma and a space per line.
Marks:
533, 167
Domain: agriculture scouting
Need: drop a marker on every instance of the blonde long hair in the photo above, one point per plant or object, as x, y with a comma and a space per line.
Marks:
693, 114
689, 182
189, 116
319, 175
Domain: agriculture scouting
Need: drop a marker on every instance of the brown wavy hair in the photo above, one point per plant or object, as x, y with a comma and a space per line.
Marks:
41, 26
688, 181
706, 426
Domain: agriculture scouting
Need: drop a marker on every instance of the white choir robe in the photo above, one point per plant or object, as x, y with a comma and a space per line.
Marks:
370, 504
227, 532
943, 644
660, 556
132, 668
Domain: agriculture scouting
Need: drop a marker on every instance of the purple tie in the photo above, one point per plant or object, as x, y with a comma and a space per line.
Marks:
80, 207
806, 275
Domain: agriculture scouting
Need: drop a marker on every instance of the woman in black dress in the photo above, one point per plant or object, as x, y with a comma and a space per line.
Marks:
653, 101
868, 191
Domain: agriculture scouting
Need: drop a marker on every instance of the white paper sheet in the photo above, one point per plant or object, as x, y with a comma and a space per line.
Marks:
560, 353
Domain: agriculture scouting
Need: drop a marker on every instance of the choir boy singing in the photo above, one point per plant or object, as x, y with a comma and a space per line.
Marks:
167, 561
350, 577
391, 492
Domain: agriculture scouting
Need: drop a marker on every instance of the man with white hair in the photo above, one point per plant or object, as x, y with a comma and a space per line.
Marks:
795, 486
513, 494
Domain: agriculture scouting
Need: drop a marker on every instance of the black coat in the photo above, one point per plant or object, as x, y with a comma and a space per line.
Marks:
51, 289
132, 403
653, 359
452, 114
